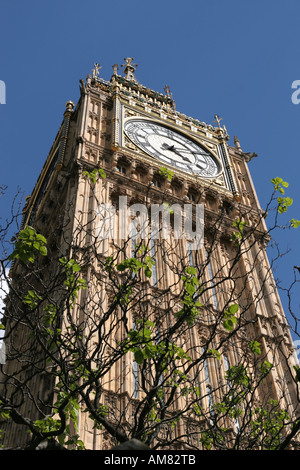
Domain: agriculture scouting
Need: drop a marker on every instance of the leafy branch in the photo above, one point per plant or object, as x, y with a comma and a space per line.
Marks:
283, 202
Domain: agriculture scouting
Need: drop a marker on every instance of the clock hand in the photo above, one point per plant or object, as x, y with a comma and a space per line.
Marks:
186, 151
173, 149
177, 150
189, 151
167, 147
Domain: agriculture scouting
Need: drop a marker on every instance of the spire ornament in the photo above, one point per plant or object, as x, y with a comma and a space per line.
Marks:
237, 143
218, 120
95, 70
170, 96
129, 68
115, 69
168, 92
221, 130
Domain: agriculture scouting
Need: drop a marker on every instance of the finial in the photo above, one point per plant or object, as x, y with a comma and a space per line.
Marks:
218, 120
69, 106
96, 69
168, 92
169, 95
129, 68
237, 143
115, 69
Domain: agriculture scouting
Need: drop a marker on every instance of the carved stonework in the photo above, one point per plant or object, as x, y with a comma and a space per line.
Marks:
93, 136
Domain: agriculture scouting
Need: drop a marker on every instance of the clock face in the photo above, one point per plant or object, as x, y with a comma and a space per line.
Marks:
172, 147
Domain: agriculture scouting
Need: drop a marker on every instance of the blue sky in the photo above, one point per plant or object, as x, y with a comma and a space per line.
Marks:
236, 58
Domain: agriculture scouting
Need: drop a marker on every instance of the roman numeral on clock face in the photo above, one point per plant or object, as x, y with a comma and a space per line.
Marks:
172, 147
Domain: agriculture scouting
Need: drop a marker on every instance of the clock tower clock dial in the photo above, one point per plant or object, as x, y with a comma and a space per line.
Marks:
172, 147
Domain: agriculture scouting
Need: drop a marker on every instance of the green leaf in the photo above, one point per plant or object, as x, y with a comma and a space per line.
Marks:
139, 356
283, 202
233, 309
214, 352
167, 173
297, 371
295, 223
265, 367
289, 201
255, 347
93, 175
27, 243
276, 182
190, 288
191, 270
32, 299
148, 272
121, 267
228, 324
229, 317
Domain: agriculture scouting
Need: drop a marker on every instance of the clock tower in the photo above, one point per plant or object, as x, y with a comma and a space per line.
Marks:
126, 146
